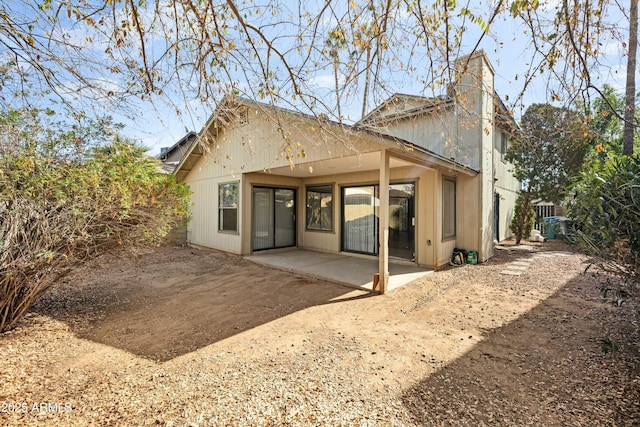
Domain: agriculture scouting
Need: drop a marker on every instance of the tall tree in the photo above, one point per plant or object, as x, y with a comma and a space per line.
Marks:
365, 36
335, 42
192, 50
630, 95
547, 153
604, 119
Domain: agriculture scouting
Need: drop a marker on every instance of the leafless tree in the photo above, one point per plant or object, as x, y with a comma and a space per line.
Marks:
274, 51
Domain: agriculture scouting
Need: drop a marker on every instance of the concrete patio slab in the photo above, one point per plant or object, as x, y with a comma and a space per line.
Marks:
340, 268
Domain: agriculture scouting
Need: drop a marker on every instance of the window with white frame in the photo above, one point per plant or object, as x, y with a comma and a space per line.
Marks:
228, 206
448, 208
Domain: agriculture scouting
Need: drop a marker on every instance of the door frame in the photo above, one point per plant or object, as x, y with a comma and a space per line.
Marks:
496, 216
376, 231
376, 194
274, 211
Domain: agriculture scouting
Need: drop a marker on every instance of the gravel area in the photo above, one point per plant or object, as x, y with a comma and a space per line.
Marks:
185, 337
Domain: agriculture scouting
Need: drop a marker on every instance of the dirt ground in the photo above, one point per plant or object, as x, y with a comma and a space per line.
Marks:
179, 336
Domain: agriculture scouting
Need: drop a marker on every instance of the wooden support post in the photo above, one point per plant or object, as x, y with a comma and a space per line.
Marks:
383, 214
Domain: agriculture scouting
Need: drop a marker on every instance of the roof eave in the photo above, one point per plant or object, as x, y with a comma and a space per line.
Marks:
197, 149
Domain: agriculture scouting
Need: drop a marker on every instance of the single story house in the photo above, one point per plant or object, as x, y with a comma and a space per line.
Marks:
411, 181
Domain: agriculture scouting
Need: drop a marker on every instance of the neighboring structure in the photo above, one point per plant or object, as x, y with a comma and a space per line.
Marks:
171, 156
412, 180
545, 210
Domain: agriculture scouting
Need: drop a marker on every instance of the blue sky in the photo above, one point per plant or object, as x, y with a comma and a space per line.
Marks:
169, 117
508, 52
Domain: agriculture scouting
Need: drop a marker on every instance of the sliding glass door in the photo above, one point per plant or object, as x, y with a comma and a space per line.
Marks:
273, 218
360, 207
402, 221
360, 220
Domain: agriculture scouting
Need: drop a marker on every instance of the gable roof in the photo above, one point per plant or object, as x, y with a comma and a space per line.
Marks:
504, 118
185, 140
171, 156
230, 109
401, 105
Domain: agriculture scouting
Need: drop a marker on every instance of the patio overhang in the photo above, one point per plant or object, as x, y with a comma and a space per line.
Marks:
401, 152
368, 162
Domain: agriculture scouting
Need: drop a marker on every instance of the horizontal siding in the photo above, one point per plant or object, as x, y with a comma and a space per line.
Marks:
507, 186
202, 229
258, 146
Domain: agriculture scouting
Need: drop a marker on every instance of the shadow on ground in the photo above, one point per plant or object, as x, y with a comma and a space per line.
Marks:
545, 368
177, 300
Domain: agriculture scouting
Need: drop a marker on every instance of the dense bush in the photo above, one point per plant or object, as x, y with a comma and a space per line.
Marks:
64, 199
524, 218
606, 207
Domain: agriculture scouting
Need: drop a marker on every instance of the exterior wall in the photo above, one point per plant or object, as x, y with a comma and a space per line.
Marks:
427, 225
444, 247
328, 241
470, 106
331, 241
254, 146
249, 152
468, 222
430, 248
208, 173
203, 180
476, 123
488, 132
260, 144
466, 135
435, 131
506, 186
202, 229
468, 199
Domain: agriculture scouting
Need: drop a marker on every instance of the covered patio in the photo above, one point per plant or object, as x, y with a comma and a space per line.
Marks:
353, 191
349, 270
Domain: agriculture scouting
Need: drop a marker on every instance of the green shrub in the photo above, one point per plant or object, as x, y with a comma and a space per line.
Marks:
65, 198
606, 207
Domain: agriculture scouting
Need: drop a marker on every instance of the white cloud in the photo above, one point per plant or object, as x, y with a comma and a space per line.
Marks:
325, 81
550, 5
613, 48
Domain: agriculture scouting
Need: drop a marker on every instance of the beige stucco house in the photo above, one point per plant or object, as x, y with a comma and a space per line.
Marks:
412, 180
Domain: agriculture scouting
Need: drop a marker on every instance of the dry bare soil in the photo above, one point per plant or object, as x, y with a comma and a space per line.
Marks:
179, 336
